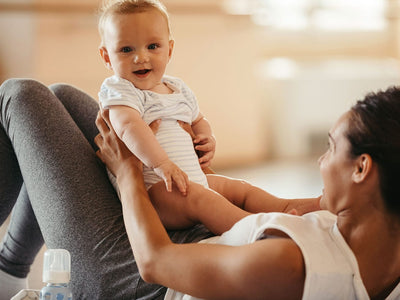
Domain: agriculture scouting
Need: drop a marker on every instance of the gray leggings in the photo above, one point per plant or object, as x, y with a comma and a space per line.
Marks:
58, 188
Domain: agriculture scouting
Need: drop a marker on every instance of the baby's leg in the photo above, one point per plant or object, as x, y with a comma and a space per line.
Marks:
253, 199
201, 205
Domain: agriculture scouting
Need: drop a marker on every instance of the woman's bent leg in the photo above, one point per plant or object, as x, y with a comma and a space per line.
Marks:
74, 203
19, 247
10, 185
22, 241
81, 107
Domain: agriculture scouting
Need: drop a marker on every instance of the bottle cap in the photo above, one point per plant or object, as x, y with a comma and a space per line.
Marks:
56, 266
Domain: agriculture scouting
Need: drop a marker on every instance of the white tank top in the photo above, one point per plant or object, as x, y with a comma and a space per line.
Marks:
331, 268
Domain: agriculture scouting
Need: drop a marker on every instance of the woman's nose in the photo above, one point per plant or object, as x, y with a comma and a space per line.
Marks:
320, 159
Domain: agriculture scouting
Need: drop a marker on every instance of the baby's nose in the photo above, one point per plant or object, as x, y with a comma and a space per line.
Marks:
140, 58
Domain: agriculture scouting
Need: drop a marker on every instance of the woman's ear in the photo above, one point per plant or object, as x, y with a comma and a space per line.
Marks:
362, 168
106, 58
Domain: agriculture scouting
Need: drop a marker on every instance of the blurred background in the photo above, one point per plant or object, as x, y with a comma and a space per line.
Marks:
270, 75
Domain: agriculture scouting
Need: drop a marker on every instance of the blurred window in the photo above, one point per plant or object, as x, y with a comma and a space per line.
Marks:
320, 15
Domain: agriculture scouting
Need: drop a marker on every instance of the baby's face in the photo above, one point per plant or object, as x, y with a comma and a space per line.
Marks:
138, 48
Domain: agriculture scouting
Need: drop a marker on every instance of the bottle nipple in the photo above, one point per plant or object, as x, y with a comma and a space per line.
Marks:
56, 266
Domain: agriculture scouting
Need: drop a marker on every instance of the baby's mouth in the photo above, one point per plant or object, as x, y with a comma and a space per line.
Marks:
142, 72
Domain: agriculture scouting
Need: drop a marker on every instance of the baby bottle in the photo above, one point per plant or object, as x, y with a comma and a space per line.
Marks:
56, 273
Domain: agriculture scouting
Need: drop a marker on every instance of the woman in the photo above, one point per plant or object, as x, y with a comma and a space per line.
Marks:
355, 255
77, 209
48, 162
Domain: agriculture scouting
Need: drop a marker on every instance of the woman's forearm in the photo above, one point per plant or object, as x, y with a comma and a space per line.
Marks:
144, 228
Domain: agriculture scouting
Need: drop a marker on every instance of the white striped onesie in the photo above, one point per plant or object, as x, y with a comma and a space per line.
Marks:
180, 105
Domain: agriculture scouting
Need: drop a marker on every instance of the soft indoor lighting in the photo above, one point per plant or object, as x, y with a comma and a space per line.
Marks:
327, 15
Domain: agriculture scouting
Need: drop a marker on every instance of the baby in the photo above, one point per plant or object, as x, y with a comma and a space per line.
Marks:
137, 46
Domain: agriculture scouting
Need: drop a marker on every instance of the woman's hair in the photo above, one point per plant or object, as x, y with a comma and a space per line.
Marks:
374, 129
110, 8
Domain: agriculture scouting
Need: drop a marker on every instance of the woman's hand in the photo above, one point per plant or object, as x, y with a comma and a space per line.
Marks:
205, 167
205, 147
112, 151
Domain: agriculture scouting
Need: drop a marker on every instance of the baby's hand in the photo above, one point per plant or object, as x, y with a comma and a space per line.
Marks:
170, 173
205, 146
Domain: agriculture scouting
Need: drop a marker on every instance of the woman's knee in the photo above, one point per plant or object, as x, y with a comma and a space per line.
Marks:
61, 90
78, 103
15, 91
67, 93
18, 86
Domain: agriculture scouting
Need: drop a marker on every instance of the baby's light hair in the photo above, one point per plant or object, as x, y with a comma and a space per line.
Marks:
113, 7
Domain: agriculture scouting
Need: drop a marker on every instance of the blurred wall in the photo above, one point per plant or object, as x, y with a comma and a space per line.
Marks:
225, 59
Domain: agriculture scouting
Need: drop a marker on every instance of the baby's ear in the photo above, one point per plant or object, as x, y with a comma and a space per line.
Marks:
171, 48
106, 58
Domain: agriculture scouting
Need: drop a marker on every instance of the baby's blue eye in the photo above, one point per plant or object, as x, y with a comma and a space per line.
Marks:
153, 47
126, 49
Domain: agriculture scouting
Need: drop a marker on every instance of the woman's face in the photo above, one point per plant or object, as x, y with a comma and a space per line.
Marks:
336, 168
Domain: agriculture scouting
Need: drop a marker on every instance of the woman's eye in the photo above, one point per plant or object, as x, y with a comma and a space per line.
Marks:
126, 49
153, 46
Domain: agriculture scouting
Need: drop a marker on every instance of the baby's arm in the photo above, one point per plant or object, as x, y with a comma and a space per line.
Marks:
204, 140
141, 141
